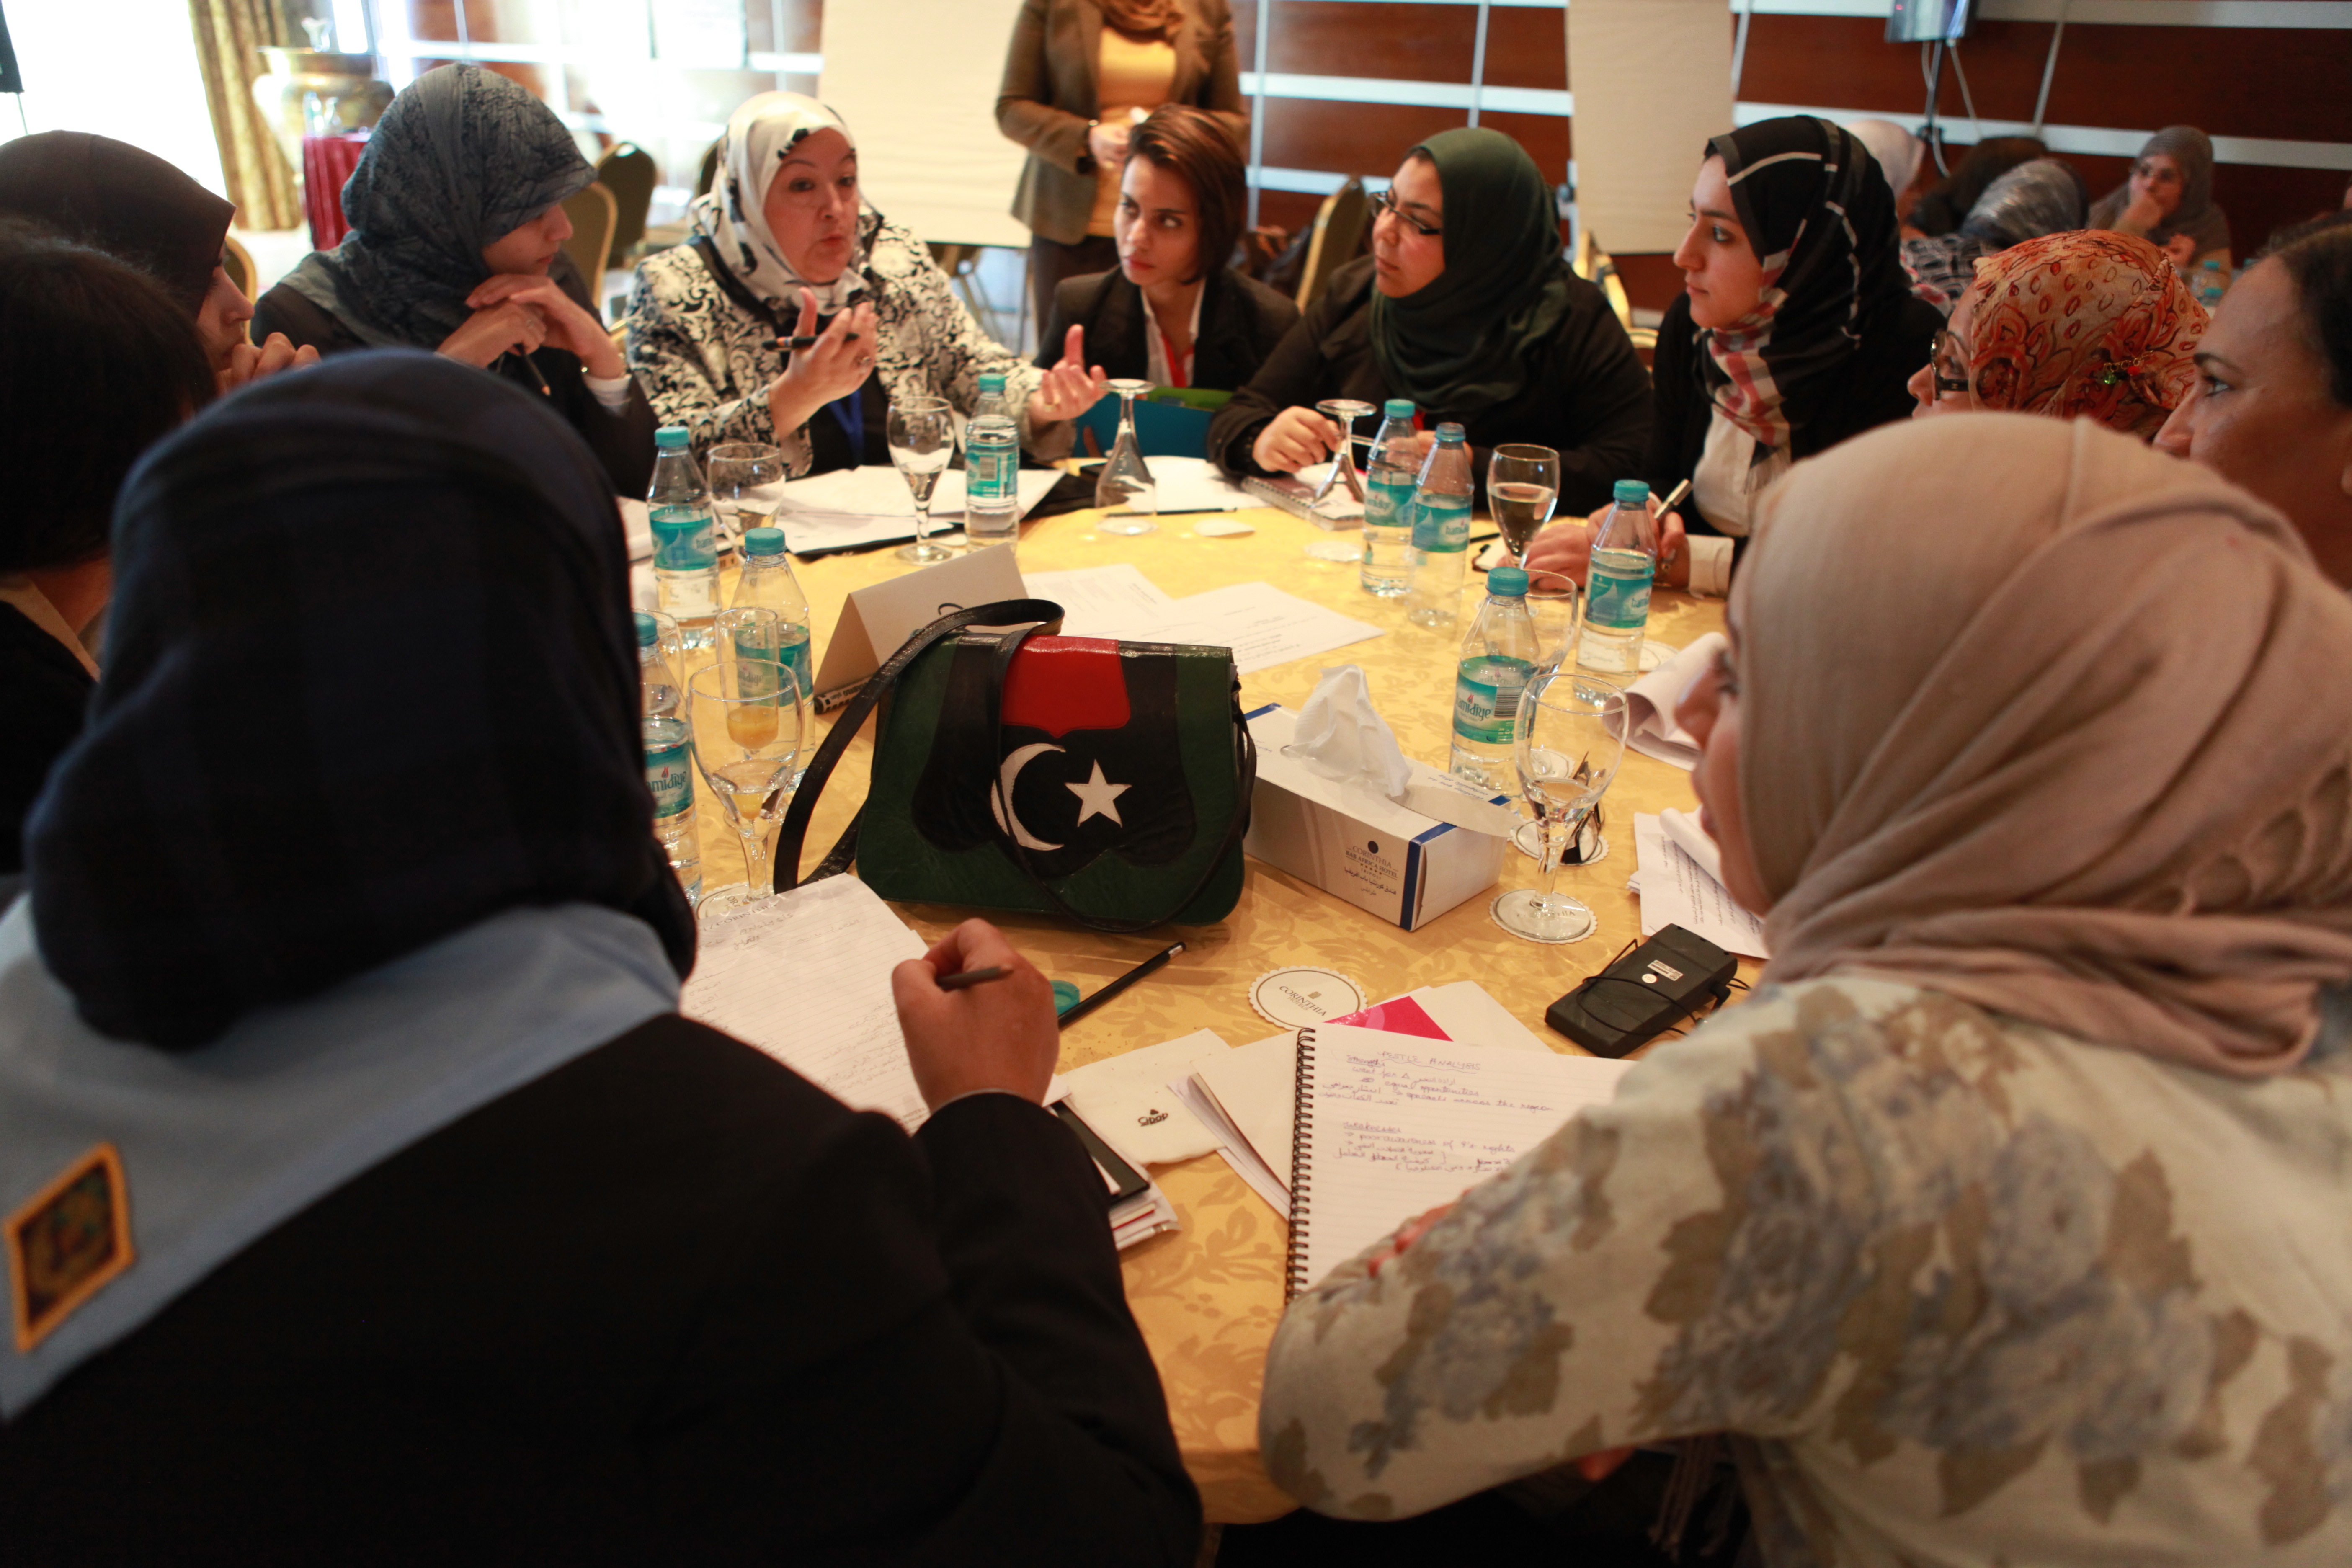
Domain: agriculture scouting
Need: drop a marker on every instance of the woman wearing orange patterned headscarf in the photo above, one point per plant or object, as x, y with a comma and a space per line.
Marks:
2085, 325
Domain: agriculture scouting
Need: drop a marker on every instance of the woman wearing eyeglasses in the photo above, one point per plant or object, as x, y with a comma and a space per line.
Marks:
1796, 329
2168, 200
2086, 325
1475, 319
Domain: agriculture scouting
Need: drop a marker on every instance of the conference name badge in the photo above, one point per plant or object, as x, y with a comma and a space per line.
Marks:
65, 1245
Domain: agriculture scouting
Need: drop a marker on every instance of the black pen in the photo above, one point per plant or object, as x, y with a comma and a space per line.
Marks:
1089, 1003
963, 977
809, 341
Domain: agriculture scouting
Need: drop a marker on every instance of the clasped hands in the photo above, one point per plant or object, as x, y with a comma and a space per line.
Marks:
521, 313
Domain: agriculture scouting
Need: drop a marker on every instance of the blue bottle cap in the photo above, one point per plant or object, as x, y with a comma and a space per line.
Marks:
1397, 408
991, 381
763, 542
1630, 492
1508, 582
649, 630
1449, 434
670, 436
1065, 996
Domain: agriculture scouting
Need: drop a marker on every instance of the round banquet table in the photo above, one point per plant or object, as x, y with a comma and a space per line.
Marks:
1207, 1297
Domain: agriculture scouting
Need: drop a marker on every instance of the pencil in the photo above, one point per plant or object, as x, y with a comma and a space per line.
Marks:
964, 977
1089, 1003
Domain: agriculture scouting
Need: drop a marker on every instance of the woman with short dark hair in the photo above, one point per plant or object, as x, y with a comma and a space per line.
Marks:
2271, 405
97, 359
1172, 312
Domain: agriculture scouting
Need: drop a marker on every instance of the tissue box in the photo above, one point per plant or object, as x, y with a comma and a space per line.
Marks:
1397, 864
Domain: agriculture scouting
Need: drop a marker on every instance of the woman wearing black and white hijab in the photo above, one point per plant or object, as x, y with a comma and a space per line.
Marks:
456, 245
368, 1198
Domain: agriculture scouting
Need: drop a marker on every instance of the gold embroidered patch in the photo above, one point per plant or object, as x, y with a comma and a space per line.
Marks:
65, 1245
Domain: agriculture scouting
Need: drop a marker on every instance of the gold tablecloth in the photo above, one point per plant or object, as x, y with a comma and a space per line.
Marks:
1209, 1296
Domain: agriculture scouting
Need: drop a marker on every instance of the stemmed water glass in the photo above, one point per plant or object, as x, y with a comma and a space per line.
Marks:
922, 439
1126, 493
1343, 412
1522, 488
747, 484
749, 724
1570, 739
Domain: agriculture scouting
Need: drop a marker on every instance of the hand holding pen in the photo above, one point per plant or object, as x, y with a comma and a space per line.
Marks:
824, 367
966, 1037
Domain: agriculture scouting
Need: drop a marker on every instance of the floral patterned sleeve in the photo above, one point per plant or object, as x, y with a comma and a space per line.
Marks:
936, 332
1546, 1315
701, 364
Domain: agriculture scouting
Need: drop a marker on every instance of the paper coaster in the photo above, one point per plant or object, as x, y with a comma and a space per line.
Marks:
1341, 552
1294, 998
1222, 528
1656, 654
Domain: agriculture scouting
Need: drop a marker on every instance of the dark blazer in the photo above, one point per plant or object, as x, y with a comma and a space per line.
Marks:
1585, 393
1896, 342
1048, 97
623, 442
44, 695
1241, 320
670, 1303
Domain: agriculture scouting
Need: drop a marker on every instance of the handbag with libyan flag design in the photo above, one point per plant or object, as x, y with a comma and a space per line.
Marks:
1017, 769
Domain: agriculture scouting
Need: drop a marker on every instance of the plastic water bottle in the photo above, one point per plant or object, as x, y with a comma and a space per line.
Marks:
1441, 532
2211, 282
669, 760
1388, 503
767, 583
1617, 603
1498, 658
992, 460
685, 540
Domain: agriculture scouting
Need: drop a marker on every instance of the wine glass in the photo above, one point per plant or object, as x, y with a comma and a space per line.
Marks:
1570, 739
922, 439
1126, 493
1522, 488
1343, 412
748, 721
747, 484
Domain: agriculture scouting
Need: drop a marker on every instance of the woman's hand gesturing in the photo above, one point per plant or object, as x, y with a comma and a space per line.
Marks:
828, 370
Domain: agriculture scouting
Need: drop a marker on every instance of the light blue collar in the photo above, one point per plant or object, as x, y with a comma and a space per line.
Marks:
219, 1146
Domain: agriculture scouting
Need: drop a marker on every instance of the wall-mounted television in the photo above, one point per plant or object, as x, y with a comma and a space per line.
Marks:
1925, 21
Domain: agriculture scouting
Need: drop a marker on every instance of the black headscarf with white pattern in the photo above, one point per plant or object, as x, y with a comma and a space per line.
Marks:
462, 158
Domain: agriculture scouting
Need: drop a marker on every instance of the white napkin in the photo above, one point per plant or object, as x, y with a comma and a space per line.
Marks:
1340, 735
1651, 702
1127, 1099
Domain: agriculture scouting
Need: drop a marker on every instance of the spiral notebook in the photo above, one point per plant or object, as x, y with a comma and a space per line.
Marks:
1387, 1127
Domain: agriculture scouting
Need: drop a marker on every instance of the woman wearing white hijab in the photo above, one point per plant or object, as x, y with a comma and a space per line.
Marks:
2005, 1223
784, 247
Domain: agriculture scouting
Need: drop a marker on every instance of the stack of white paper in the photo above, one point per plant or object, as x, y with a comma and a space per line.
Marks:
872, 505
1261, 624
1679, 875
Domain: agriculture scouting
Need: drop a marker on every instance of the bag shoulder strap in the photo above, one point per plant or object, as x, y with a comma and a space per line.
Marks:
1039, 614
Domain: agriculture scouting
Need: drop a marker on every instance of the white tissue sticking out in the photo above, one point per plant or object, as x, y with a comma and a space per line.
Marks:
1342, 736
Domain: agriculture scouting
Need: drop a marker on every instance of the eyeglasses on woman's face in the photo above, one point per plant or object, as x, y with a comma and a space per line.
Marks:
1386, 202
1949, 364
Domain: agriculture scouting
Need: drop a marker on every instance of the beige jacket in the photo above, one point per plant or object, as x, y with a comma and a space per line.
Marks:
1048, 99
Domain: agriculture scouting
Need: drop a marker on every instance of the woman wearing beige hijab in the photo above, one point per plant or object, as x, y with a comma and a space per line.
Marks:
2007, 1221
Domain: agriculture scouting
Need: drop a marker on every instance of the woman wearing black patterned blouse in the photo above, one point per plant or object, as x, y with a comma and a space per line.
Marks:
785, 247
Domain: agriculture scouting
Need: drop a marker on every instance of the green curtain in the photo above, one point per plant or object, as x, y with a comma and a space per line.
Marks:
230, 37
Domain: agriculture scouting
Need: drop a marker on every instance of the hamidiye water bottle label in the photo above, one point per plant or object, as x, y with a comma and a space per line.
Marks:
1442, 526
990, 465
1387, 504
1619, 602
796, 656
669, 774
1486, 698
683, 541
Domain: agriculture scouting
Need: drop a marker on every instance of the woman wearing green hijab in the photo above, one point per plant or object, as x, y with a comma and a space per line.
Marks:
1467, 308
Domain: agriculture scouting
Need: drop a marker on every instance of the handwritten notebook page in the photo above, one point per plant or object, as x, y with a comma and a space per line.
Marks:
1395, 1126
805, 976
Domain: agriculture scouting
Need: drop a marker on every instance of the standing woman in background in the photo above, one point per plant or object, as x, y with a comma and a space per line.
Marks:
1172, 312
456, 246
2168, 200
1080, 74
1795, 329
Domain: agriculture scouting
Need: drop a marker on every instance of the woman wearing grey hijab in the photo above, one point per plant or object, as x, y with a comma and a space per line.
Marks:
456, 246
2042, 197
2168, 200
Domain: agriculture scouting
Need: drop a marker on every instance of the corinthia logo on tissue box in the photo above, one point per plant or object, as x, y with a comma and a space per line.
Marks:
1355, 844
